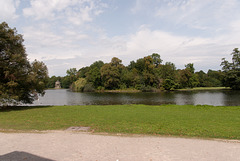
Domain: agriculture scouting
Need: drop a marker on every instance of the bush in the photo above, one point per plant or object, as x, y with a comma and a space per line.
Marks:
89, 88
148, 89
78, 86
168, 84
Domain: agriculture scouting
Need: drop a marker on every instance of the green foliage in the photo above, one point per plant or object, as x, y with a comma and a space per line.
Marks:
66, 82
190, 67
156, 59
51, 81
111, 73
88, 88
72, 74
186, 78
78, 86
232, 70
149, 73
20, 80
94, 75
169, 84
82, 72
210, 79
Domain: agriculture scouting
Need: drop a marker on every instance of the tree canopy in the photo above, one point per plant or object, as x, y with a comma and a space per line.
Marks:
20, 80
145, 74
232, 70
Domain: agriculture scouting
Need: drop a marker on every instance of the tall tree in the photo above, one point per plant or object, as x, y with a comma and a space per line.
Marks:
232, 70
20, 81
111, 73
187, 77
156, 59
94, 75
148, 72
72, 73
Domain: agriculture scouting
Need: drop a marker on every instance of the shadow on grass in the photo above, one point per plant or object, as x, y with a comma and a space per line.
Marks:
20, 108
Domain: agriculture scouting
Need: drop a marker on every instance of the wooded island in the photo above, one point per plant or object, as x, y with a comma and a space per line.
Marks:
148, 74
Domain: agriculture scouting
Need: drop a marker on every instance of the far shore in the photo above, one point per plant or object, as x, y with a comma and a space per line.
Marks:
130, 90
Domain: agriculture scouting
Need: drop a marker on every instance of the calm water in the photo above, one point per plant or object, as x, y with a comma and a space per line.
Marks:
216, 98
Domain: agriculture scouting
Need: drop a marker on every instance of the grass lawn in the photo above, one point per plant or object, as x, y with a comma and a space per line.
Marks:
175, 120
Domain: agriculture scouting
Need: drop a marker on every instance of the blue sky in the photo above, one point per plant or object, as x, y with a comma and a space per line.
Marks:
75, 33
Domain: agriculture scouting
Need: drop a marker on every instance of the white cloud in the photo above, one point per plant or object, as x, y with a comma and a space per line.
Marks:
180, 49
205, 53
205, 14
41, 9
64, 33
44, 44
75, 12
8, 9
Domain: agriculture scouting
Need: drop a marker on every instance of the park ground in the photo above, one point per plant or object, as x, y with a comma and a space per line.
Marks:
75, 146
120, 132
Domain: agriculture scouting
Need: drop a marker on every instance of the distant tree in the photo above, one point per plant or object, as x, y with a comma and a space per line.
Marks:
78, 86
183, 77
190, 67
232, 70
203, 79
111, 73
52, 80
72, 73
66, 82
94, 75
126, 78
132, 65
140, 65
164, 72
167, 71
169, 84
215, 78
148, 72
187, 78
82, 72
156, 59
20, 80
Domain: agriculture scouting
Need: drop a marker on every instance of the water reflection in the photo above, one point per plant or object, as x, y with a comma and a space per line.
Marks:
66, 97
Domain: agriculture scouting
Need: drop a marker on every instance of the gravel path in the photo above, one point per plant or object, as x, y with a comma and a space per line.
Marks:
74, 146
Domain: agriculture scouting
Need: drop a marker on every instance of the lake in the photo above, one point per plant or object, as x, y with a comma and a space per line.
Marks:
206, 97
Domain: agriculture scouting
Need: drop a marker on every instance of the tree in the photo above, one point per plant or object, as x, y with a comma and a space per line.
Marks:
20, 80
94, 75
78, 86
165, 73
72, 73
52, 80
190, 67
156, 59
148, 72
82, 72
111, 73
232, 70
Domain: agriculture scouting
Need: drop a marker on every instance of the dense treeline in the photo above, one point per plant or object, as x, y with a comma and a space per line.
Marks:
146, 74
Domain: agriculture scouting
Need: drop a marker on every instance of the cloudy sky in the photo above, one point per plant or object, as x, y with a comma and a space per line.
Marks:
74, 33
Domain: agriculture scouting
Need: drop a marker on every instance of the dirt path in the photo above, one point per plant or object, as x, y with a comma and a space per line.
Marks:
72, 146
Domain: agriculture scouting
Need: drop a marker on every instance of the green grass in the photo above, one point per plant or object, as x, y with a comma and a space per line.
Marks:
174, 120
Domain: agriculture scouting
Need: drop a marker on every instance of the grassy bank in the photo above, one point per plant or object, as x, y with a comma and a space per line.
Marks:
186, 120
130, 90
204, 88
